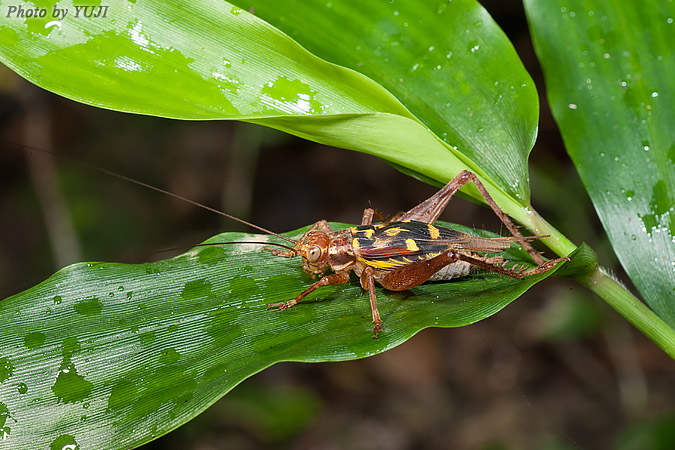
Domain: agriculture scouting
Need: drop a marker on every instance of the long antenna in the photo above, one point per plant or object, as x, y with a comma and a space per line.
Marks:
208, 244
163, 191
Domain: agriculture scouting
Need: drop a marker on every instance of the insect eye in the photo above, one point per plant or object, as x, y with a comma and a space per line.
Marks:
313, 254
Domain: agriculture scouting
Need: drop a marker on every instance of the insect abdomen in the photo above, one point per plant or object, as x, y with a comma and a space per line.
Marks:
455, 270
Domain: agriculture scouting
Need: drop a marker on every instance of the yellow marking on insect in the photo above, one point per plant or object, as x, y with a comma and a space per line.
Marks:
388, 264
355, 243
380, 225
433, 231
411, 245
368, 232
393, 231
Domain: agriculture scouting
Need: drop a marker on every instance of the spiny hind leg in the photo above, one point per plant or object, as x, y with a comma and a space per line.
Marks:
412, 275
429, 210
497, 266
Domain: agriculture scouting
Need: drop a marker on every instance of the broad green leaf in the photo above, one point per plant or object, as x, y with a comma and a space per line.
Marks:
609, 72
432, 87
443, 60
109, 355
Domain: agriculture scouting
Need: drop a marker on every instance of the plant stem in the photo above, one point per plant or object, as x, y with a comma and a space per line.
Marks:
611, 291
556, 241
632, 309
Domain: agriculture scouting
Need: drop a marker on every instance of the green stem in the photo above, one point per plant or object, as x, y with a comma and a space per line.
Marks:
537, 225
632, 309
611, 291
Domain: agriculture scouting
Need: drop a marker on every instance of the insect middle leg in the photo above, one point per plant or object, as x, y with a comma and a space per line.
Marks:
368, 283
429, 210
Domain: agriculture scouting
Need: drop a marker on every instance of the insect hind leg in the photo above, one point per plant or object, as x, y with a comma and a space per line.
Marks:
429, 210
412, 275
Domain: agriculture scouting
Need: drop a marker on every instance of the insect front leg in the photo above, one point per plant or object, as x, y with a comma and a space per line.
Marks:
429, 210
368, 283
333, 278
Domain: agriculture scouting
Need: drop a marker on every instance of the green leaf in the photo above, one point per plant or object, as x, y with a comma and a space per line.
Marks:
443, 60
109, 355
434, 87
609, 73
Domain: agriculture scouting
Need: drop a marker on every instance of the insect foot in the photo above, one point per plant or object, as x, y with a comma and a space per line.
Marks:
281, 306
377, 328
545, 267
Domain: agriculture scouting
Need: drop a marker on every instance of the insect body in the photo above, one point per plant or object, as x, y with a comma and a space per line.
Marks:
407, 251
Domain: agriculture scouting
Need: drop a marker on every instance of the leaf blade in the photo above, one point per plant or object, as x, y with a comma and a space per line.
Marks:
416, 50
126, 353
216, 61
614, 106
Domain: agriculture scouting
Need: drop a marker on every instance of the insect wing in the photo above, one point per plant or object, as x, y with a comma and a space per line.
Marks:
385, 246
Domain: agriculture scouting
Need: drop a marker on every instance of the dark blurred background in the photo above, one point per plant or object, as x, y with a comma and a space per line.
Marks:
557, 369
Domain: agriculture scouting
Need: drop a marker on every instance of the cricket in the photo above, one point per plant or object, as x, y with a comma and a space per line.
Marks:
407, 250
398, 254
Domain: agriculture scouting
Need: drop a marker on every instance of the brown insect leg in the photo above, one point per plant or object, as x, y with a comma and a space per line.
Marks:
492, 267
545, 267
333, 278
369, 213
411, 275
367, 217
513, 272
367, 282
429, 210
